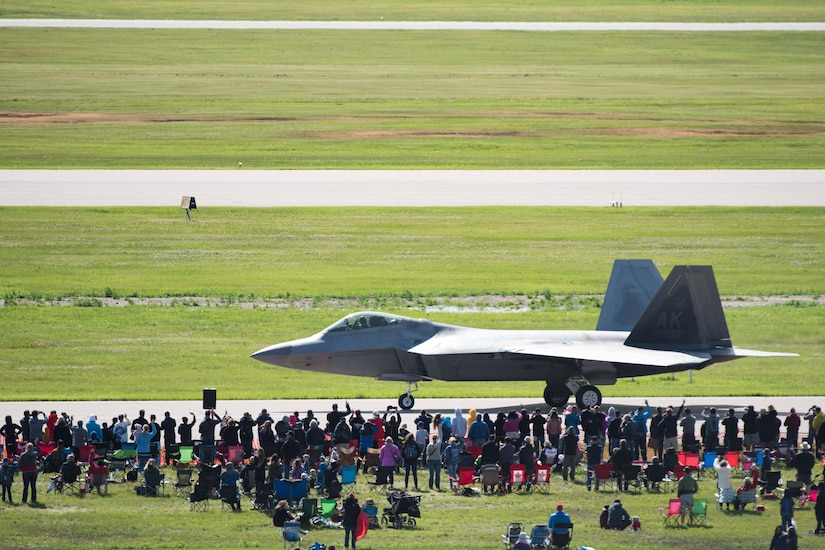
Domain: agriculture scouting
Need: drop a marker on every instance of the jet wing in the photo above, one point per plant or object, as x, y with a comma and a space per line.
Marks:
589, 351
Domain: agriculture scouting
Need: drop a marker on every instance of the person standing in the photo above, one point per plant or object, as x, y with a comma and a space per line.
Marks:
390, 456
711, 428
7, 471
640, 417
750, 432
143, 443
28, 467
786, 509
570, 450
804, 463
594, 458
538, 421
686, 489
410, 454
792, 423
553, 427
819, 511
168, 427
207, 431
479, 432
350, 520
10, 432
434, 463
731, 425
688, 424
669, 427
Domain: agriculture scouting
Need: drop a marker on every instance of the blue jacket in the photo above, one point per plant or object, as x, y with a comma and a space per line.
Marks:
143, 440
641, 418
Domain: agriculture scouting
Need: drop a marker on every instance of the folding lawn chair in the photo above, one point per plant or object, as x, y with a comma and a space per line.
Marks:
466, 476
291, 533
510, 537
518, 475
538, 536
542, 479
672, 512
604, 473
699, 514
348, 477
183, 484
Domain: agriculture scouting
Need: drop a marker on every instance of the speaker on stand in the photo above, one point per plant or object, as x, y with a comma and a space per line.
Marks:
210, 398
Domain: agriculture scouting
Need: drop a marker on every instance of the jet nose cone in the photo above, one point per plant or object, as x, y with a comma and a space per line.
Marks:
274, 355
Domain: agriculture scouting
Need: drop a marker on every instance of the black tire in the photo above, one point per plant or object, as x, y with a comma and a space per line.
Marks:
406, 401
556, 396
588, 396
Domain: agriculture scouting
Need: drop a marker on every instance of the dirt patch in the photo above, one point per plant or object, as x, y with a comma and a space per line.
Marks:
491, 302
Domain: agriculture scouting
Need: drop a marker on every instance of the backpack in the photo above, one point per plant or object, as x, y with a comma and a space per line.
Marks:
411, 450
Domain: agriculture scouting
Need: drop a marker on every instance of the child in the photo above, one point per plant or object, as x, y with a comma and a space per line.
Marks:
603, 516
637, 524
7, 471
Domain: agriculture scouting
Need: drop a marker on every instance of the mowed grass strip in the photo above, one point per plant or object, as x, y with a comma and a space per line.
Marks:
428, 10
368, 252
338, 99
130, 353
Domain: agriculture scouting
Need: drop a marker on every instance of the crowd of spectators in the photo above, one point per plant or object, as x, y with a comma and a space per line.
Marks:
305, 446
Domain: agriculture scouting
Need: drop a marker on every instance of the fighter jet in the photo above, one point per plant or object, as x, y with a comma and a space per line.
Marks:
646, 327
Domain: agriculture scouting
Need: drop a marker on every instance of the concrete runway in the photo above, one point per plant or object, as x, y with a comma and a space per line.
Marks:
268, 188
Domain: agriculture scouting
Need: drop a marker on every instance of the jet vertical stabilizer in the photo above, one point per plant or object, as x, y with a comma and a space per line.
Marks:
685, 314
632, 285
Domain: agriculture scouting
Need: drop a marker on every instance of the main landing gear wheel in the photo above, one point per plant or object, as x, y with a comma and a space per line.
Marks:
556, 396
588, 396
406, 401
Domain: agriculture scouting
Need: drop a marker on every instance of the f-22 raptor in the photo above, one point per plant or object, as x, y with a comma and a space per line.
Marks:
646, 327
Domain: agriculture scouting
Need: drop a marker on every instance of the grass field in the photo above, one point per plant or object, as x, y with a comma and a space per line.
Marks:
306, 268
181, 99
356, 99
426, 10
448, 521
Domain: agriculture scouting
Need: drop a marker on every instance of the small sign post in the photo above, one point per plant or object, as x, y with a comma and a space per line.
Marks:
188, 204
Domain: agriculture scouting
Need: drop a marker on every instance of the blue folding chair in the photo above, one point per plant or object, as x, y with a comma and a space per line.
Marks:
348, 475
291, 533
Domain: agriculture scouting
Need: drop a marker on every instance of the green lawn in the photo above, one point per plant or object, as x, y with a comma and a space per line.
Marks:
426, 10
355, 99
124, 520
319, 264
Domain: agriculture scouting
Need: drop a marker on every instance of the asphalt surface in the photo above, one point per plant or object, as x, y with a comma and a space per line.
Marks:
268, 188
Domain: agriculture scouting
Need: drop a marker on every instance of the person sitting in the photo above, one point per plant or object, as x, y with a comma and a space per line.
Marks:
746, 486
98, 472
617, 516
229, 487
69, 473
622, 459
603, 516
298, 470
151, 467
282, 514
559, 527
779, 540
523, 542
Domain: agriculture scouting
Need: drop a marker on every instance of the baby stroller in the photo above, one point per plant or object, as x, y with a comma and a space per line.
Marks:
403, 510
